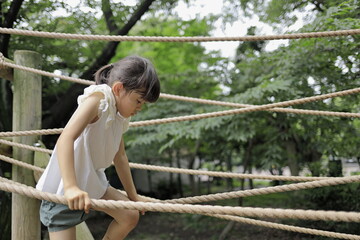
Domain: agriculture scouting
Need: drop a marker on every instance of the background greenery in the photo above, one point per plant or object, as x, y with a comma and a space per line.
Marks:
262, 140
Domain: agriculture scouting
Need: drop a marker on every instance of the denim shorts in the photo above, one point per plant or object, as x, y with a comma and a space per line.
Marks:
57, 217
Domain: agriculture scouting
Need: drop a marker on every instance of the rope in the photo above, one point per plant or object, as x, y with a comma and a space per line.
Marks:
254, 222
48, 74
235, 194
178, 39
268, 190
6, 185
183, 171
287, 227
188, 99
21, 164
272, 225
31, 132
222, 174
231, 112
226, 217
28, 147
251, 108
239, 105
257, 222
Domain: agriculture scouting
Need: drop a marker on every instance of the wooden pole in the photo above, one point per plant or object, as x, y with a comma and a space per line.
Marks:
26, 116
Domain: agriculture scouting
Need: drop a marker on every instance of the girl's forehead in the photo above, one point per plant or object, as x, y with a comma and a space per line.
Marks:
136, 94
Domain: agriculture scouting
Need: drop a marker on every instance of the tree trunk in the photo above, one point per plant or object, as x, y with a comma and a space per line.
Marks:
193, 185
179, 182
292, 157
229, 166
8, 20
148, 173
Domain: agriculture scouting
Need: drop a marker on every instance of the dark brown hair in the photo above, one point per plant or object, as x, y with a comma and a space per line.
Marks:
136, 74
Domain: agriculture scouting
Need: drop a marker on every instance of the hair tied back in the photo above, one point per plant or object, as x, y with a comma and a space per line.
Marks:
103, 74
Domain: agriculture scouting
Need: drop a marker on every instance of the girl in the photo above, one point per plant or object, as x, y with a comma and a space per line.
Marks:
90, 142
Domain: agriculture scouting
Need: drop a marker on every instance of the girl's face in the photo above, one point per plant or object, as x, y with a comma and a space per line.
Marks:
127, 103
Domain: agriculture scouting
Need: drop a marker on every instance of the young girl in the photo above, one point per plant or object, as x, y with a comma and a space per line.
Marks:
90, 142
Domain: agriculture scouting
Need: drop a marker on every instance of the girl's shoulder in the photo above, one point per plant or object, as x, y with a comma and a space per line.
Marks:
106, 98
102, 88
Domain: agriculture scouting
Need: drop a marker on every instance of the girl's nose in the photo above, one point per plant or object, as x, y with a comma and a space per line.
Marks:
139, 106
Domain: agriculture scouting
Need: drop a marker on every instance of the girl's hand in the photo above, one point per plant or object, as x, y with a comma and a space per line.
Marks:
141, 199
77, 199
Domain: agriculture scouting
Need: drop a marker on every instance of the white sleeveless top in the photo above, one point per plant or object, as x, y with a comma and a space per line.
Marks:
94, 149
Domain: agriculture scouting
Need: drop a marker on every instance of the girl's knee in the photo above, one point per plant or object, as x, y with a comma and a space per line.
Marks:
128, 220
132, 218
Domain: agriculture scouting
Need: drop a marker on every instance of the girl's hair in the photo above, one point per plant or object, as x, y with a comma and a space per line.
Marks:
135, 73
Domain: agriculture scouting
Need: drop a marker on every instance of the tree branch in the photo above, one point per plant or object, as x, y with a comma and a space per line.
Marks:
8, 22
108, 15
67, 104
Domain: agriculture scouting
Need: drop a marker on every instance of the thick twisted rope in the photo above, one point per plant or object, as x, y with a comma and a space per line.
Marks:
177, 39
186, 208
188, 99
235, 194
226, 217
222, 174
229, 112
256, 222
21, 164
239, 105
267, 190
178, 170
47, 74
287, 227
31, 132
25, 146
249, 109
272, 225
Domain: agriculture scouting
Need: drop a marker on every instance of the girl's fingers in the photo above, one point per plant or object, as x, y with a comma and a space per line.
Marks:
71, 204
80, 203
87, 205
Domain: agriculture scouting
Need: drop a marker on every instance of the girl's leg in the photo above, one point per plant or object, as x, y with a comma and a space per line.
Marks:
124, 220
68, 234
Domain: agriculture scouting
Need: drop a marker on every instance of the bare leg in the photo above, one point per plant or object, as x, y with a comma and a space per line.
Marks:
68, 234
124, 220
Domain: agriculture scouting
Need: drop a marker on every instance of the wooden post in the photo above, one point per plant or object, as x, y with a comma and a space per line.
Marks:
26, 116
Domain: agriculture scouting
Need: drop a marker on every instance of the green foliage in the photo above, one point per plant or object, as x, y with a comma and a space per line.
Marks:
336, 198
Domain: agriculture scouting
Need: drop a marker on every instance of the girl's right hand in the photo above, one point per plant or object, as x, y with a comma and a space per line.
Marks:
77, 199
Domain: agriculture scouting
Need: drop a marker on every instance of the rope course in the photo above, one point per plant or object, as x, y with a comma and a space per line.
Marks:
186, 205
182, 171
323, 182
338, 216
182, 98
15, 188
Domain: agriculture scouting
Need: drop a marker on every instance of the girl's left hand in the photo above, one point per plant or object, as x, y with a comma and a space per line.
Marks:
142, 199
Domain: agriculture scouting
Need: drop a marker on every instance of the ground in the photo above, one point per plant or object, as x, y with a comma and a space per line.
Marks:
173, 226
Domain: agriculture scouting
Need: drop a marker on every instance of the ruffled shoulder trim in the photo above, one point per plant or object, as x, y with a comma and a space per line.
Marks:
106, 104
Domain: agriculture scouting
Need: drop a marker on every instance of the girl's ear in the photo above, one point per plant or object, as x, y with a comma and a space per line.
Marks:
117, 88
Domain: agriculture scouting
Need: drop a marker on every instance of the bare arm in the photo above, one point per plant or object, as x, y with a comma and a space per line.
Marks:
121, 163
85, 114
